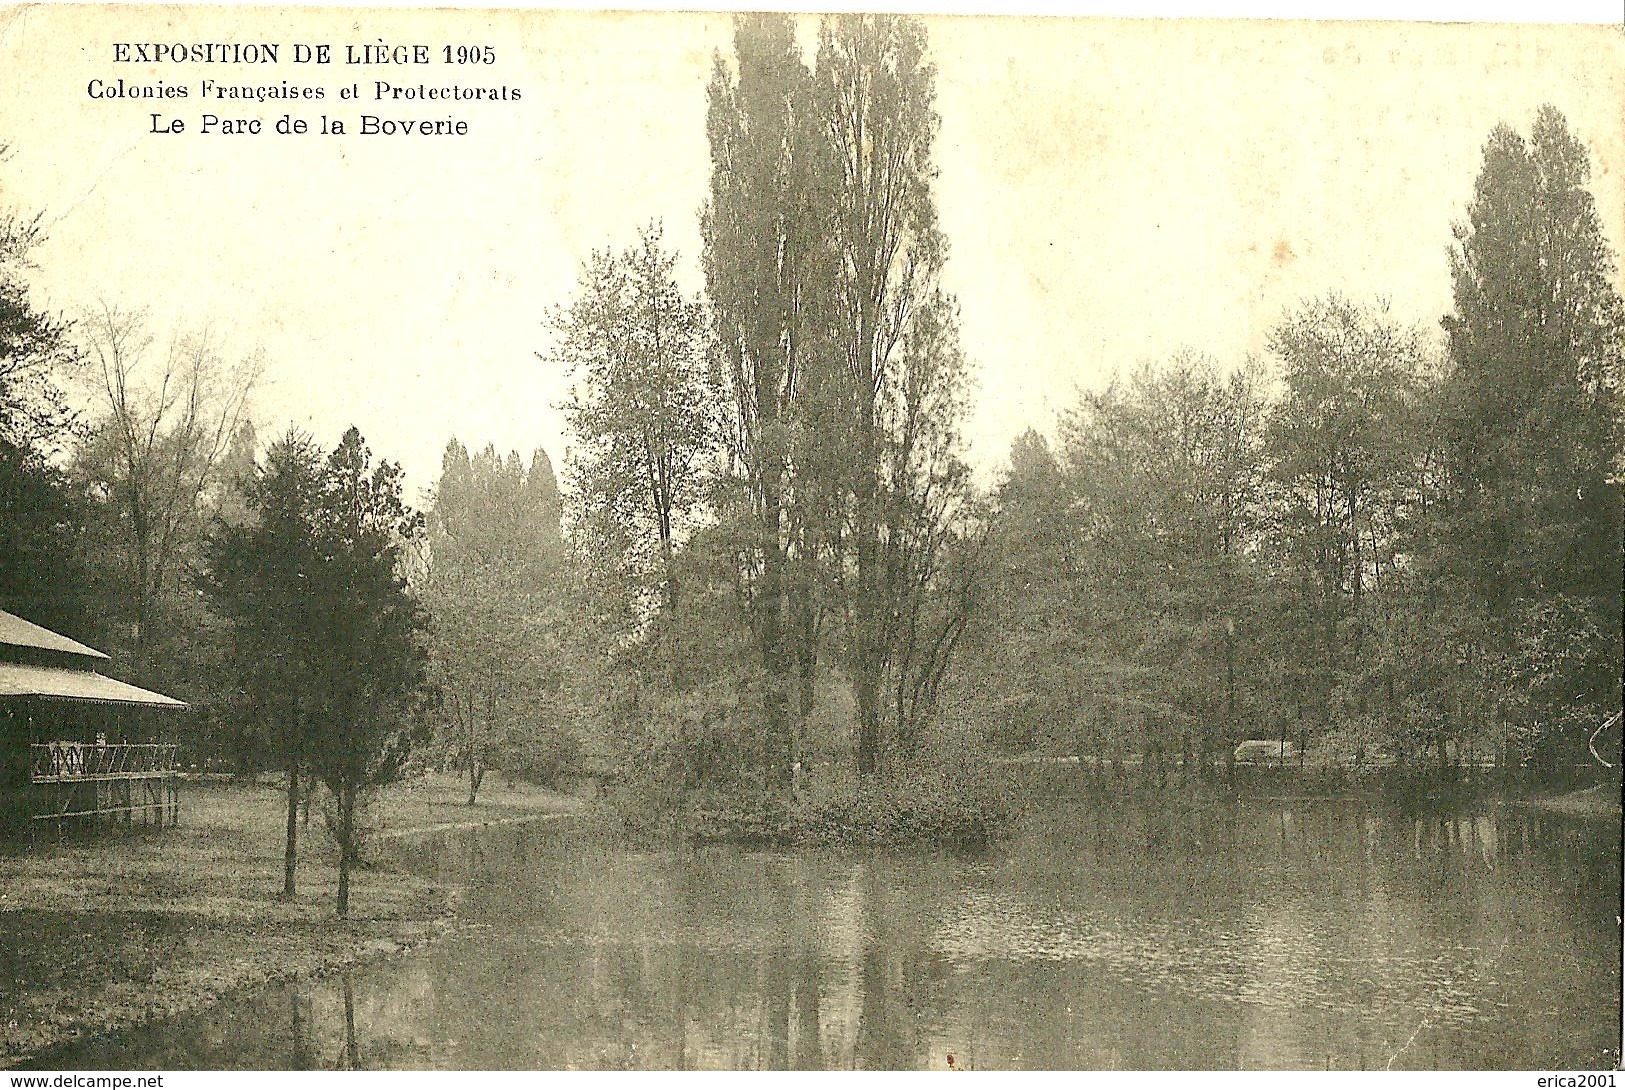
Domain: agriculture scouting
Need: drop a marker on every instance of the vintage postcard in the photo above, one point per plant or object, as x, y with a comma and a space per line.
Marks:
702, 540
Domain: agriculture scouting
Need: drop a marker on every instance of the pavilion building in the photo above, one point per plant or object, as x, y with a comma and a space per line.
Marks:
75, 744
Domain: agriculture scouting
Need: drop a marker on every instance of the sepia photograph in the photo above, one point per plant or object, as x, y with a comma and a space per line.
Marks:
579, 540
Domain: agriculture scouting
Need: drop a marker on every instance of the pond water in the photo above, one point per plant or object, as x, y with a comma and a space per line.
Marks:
1297, 934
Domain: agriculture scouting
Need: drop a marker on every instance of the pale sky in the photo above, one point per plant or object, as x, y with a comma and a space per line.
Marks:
1112, 191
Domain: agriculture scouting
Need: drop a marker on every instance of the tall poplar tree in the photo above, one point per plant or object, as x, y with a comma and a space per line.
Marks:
895, 330
1533, 428
767, 266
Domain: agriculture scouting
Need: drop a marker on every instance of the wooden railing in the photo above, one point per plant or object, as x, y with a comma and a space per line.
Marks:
59, 762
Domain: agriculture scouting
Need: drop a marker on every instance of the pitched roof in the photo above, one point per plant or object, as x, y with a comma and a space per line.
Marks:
16, 632
54, 681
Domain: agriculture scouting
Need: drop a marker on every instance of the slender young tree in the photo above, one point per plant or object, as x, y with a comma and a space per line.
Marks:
372, 655
330, 642
259, 574
643, 418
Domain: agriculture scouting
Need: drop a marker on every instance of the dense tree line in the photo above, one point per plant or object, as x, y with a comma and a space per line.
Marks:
494, 581
1371, 542
1374, 542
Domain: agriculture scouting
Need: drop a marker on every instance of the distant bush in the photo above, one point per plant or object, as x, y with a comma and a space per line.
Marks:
546, 759
924, 807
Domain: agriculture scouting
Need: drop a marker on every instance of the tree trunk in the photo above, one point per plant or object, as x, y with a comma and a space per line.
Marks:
352, 1054
346, 838
867, 608
290, 851
1231, 734
1280, 756
806, 697
868, 722
777, 746
301, 1060
809, 1052
669, 561
476, 770
806, 658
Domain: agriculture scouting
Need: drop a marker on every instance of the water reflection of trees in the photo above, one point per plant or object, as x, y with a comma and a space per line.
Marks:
725, 971
1288, 933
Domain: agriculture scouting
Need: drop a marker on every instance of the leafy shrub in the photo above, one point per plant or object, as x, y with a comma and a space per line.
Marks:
944, 811
924, 807
546, 758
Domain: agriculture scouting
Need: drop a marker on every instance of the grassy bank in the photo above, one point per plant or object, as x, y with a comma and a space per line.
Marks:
102, 932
